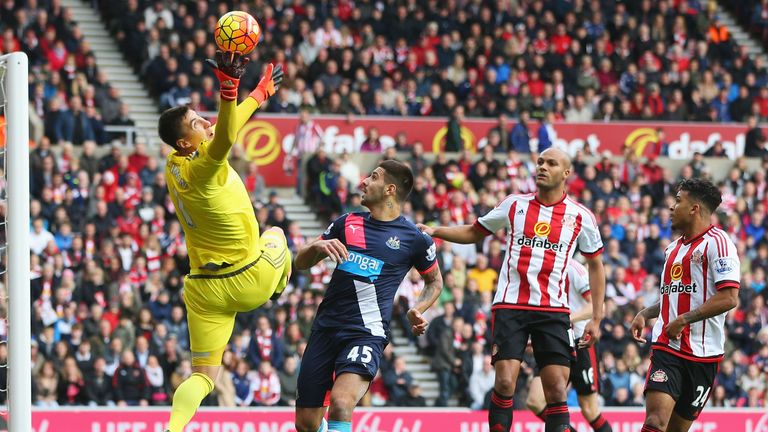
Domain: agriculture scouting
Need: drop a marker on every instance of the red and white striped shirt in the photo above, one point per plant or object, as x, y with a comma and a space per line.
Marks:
541, 240
694, 271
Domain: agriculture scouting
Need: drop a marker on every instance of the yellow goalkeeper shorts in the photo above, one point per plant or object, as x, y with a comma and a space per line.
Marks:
214, 298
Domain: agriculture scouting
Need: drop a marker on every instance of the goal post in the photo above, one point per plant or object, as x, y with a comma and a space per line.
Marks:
16, 104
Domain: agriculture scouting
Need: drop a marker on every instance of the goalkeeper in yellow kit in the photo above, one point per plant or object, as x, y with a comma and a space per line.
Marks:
232, 269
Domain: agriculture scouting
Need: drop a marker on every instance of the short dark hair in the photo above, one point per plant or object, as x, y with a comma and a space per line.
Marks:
169, 126
400, 175
703, 191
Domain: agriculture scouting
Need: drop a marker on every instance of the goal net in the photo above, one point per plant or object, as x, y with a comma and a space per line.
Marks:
15, 319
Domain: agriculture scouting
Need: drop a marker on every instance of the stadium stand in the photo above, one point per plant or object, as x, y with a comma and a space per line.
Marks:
108, 255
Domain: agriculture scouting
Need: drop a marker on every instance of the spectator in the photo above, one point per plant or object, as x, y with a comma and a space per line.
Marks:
158, 390
481, 383
372, 143
46, 384
484, 276
413, 398
71, 386
445, 361
39, 237
266, 385
130, 382
288, 381
99, 389
243, 381
520, 136
453, 140
398, 381
265, 345
754, 143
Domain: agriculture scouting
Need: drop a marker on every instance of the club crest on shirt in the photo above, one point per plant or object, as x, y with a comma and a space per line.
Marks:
724, 265
659, 376
569, 221
393, 243
697, 257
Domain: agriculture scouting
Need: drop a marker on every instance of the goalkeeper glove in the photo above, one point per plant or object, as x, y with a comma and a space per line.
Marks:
228, 67
268, 84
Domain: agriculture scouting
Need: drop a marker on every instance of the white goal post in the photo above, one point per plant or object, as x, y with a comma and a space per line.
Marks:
16, 91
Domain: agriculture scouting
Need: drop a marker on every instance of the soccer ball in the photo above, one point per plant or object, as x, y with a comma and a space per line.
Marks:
237, 31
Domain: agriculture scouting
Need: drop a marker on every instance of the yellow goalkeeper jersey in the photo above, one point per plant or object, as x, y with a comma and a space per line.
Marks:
214, 209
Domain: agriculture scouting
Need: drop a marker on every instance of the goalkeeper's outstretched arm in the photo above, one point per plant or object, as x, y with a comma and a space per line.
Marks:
229, 68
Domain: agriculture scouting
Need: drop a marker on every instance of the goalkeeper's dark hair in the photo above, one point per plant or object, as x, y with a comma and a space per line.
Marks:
703, 191
400, 175
169, 126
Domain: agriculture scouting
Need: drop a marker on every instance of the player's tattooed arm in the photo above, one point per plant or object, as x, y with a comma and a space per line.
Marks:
651, 312
638, 324
433, 285
723, 301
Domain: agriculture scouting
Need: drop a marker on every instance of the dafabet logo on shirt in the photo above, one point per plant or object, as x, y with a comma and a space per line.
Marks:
542, 229
676, 272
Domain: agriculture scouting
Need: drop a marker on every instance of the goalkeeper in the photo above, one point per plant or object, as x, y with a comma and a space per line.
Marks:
232, 269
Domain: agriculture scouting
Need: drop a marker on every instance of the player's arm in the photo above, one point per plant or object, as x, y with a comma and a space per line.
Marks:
491, 222
584, 313
638, 324
319, 249
597, 287
455, 234
228, 69
724, 300
591, 246
433, 285
329, 244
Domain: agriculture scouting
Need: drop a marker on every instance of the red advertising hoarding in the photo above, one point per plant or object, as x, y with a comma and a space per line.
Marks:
414, 420
266, 138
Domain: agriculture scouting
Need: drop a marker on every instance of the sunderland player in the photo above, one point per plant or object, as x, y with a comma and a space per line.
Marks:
374, 252
584, 373
544, 229
232, 269
699, 285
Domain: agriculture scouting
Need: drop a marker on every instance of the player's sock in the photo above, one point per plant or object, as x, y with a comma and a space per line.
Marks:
339, 426
541, 415
187, 399
500, 414
323, 426
557, 417
600, 424
647, 428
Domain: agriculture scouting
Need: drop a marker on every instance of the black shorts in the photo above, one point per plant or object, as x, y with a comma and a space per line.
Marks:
584, 378
330, 353
550, 333
584, 372
687, 381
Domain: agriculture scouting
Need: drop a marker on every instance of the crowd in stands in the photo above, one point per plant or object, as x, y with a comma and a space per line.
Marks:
108, 255
71, 99
581, 60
